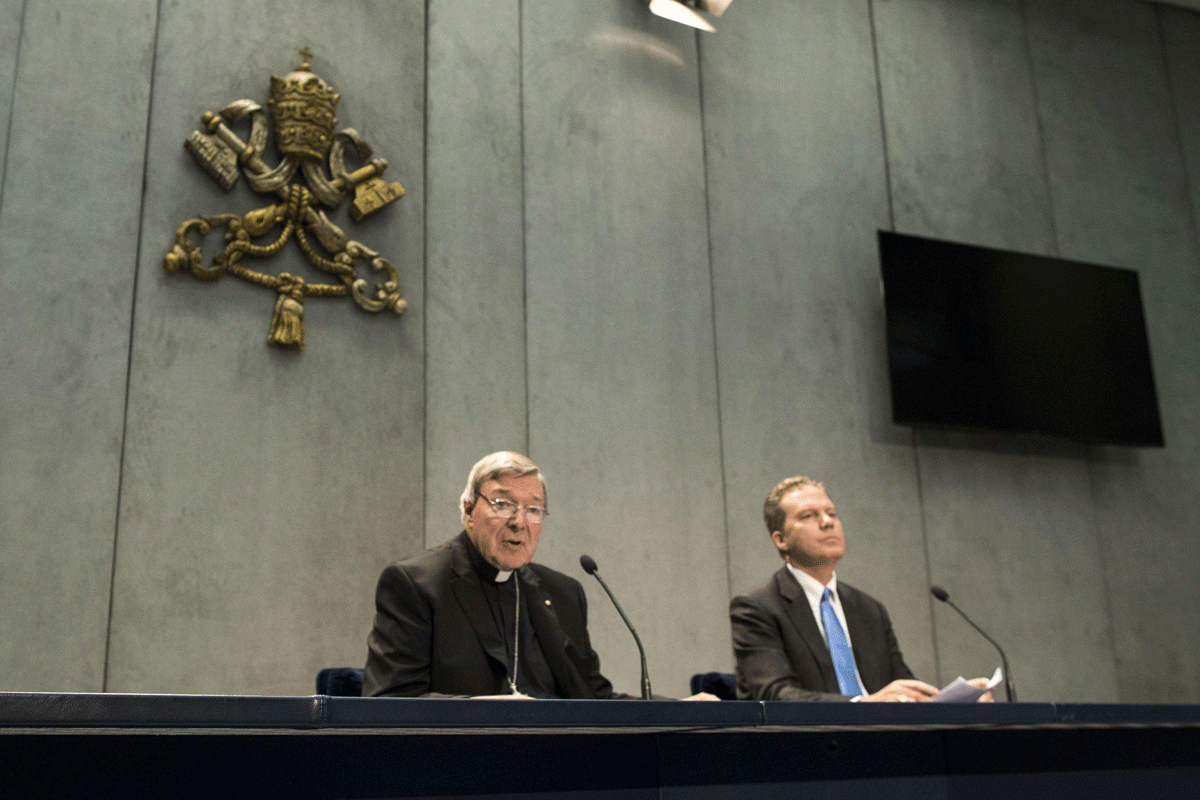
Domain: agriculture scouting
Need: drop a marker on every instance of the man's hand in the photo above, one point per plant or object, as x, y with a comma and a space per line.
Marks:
981, 683
902, 691
703, 696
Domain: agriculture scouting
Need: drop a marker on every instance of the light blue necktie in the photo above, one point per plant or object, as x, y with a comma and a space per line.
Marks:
839, 648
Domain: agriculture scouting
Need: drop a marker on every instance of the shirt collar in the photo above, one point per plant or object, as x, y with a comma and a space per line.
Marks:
811, 586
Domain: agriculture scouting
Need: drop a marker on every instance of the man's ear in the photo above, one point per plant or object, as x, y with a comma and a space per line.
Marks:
777, 538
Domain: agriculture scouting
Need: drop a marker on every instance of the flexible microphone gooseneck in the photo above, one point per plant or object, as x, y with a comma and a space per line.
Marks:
944, 596
589, 566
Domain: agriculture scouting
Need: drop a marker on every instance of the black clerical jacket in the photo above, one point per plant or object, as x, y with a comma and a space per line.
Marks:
435, 634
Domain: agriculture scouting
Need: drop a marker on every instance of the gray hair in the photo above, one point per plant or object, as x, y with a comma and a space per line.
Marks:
490, 467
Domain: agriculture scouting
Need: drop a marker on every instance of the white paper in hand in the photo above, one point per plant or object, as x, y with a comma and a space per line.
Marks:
959, 691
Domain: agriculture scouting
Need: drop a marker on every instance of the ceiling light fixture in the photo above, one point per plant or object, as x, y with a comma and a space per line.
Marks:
685, 11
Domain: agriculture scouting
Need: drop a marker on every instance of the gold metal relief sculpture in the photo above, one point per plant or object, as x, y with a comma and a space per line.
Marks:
303, 108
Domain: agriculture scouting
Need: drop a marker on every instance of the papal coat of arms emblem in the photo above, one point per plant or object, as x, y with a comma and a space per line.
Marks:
303, 109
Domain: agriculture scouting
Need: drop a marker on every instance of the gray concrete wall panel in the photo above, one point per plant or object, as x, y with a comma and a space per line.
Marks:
961, 117
1012, 538
622, 387
967, 164
1105, 93
475, 373
68, 243
264, 490
797, 190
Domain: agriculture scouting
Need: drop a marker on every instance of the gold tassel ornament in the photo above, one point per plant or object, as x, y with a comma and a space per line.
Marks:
287, 325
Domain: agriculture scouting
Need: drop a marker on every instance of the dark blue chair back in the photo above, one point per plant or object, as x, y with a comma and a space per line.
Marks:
340, 681
722, 684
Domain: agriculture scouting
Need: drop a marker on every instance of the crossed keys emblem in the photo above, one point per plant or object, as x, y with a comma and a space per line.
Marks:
303, 108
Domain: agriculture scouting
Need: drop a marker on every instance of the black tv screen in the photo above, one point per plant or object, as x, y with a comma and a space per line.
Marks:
993, 340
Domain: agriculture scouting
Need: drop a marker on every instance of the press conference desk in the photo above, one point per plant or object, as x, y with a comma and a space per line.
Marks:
179, 746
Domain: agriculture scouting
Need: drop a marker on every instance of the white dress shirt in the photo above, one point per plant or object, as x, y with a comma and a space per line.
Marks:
814, 591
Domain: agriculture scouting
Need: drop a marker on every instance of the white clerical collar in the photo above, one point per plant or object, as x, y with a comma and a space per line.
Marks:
502, 575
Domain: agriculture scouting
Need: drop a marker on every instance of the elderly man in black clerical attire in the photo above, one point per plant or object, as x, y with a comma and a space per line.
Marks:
475, 616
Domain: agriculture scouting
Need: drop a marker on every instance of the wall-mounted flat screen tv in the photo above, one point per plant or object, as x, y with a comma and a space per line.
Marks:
993, 340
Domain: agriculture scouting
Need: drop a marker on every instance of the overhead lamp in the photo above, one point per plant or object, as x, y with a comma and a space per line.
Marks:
685, 11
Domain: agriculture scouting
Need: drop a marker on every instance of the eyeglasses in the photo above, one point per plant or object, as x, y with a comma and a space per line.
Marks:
507, 509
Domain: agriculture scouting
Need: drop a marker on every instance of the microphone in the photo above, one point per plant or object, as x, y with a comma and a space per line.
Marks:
589, 566
944, 596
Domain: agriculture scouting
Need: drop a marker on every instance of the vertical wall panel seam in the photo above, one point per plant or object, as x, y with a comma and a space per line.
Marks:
712, 307
1041, 128
933, 637
883, 138
1172, 91
916, 448
1102, 557
425, 288
12, 99
524, 212
137, 268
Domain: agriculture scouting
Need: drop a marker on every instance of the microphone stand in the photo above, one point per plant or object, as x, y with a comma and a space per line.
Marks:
944, 596
589, 566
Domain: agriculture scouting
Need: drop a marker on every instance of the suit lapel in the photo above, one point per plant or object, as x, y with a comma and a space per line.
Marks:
799, 613
468, 590
859, 636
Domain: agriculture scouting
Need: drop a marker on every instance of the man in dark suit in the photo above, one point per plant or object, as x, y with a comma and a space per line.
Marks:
474, 617
788, 633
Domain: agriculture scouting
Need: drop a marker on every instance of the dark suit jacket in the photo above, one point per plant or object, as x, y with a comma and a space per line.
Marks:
781, 654
435, 634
